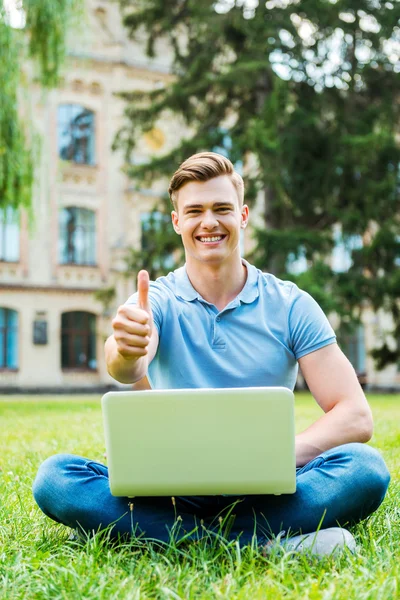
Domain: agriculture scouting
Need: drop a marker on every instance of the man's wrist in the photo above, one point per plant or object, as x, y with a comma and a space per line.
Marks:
305, 452
127, 369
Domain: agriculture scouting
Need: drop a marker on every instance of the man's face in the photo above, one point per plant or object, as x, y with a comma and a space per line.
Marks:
209, 219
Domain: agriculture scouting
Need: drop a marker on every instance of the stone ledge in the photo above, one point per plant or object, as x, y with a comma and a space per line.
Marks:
62, 390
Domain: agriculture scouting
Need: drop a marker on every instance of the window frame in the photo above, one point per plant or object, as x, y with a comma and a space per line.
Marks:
5, 329
74, 331
63, 123
90, 239
9, 217
156, 219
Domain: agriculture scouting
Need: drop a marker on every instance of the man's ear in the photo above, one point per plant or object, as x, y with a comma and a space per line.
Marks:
175, 222
245, 216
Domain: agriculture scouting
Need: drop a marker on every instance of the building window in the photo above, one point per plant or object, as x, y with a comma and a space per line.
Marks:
353, 346
76, 135
8, 339
77, 242
78, 340
158, 240
9, 235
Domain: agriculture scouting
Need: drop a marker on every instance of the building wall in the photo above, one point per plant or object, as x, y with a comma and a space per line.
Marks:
40, 365
376, 328
101, 62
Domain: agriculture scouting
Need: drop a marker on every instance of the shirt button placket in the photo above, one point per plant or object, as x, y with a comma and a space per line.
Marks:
217, 340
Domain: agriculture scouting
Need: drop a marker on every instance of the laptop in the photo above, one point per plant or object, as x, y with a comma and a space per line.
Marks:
200, 442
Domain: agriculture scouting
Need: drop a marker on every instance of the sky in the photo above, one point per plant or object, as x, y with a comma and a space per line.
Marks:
16, 15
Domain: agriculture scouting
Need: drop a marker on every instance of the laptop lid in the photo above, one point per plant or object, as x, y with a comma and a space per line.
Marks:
200, 441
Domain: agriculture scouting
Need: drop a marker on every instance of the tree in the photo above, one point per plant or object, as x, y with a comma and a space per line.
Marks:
161, 250
43, 41
310, 90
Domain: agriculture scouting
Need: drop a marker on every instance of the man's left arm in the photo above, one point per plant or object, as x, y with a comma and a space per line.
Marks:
334, 385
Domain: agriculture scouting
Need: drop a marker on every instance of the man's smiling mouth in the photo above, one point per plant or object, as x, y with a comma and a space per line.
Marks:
210, 239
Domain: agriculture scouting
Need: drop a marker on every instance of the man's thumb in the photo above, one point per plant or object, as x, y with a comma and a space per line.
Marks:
143, 284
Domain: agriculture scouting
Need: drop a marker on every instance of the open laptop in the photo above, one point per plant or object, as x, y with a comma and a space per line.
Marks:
200, 441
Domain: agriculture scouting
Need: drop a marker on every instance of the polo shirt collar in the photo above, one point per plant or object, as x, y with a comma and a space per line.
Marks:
250, 291
183, 287
185, 290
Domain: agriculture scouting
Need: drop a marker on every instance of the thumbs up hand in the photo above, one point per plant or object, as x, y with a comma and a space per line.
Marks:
133, 325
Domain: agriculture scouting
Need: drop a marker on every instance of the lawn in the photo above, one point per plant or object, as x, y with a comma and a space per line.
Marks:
37, 561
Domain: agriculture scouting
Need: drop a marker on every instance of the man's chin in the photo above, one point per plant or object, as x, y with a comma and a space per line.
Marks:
208, 258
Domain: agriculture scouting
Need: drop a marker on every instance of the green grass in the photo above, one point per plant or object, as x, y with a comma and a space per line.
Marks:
38, 562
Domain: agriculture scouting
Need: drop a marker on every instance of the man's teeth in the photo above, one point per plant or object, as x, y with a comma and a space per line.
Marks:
216, 238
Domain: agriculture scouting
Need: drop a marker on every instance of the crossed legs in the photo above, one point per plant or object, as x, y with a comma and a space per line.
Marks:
339, 487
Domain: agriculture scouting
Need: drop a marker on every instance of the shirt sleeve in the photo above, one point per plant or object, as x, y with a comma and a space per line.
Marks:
156, 301
309, 328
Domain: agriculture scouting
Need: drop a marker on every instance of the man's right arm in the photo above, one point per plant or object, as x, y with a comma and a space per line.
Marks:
125, 368
134, 342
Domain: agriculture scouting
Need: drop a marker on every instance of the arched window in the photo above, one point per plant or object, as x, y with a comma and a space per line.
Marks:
76, 134
77, 241
9, 235
8, 339
78, 340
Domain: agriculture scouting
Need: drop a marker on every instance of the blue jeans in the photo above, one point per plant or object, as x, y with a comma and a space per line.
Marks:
339, 487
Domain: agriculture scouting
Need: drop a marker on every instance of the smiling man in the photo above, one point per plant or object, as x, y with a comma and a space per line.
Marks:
220, 322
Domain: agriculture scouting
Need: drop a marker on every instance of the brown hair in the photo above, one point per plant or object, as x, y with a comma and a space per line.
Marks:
202, 167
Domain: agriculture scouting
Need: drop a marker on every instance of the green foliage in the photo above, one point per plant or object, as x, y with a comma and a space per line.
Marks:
47, 25
38, 562
106, 297
43, 41
16, 171
316, 112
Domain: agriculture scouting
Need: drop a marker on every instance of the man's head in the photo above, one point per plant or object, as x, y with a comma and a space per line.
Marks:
209, 212
203, 167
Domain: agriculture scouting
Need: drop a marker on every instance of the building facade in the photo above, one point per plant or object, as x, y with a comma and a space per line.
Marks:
86, 215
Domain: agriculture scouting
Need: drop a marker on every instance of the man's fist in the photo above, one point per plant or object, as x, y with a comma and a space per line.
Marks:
133, 325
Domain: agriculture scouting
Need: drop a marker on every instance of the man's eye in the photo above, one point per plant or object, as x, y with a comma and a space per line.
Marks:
224, 209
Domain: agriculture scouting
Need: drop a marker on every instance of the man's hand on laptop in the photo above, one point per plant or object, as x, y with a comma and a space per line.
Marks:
133, 325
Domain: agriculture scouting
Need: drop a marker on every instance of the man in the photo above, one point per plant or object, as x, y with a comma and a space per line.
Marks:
219, 322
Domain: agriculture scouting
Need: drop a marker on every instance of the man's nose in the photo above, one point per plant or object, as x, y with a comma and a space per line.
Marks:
209, 220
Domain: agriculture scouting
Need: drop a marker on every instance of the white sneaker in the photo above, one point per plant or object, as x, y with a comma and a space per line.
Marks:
321, 543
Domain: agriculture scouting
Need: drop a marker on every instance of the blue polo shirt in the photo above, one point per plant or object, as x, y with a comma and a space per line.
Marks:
255, 340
